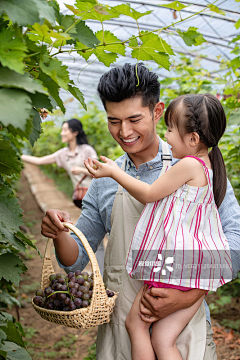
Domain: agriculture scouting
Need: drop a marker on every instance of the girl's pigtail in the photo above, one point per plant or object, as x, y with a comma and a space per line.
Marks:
219, 175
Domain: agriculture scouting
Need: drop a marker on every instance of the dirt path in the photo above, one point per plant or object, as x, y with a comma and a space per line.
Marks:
50, 341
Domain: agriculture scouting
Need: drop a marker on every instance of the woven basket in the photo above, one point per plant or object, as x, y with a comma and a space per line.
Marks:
101, 306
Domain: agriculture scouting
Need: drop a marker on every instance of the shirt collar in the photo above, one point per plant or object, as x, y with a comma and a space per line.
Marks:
70, 154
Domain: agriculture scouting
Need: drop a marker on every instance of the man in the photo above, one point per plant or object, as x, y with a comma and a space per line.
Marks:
133, 111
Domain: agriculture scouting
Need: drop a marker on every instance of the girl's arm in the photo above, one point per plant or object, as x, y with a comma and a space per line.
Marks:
185, 170
44, 160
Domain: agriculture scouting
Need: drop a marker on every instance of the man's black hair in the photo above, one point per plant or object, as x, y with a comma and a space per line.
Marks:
121, 83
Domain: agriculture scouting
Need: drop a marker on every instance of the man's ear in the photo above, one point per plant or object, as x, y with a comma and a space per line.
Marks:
194, 139
158, 111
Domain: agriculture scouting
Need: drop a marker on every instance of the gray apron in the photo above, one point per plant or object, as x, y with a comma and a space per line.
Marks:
113, 342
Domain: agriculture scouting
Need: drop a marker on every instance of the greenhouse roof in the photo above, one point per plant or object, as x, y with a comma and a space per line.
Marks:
218, 30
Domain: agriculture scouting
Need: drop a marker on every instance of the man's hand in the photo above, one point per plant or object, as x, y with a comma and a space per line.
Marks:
157, 303
52, 223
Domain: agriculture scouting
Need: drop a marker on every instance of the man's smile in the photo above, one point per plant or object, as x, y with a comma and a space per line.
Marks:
130, 141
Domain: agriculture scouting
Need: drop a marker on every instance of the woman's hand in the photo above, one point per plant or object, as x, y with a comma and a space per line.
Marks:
98, 169
77, 170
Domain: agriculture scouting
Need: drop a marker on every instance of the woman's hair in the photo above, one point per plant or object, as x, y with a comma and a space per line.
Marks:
203, 114
76, 125
122, 83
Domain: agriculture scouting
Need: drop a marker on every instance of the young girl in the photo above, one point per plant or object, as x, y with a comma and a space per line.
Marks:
178, 241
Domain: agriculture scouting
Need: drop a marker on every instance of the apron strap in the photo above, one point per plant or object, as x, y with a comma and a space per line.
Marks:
120, 188
166, 155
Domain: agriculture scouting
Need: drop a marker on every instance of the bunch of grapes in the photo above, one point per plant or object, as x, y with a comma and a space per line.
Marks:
67, 292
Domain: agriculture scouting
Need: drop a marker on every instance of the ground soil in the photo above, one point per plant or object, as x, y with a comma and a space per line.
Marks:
42, 344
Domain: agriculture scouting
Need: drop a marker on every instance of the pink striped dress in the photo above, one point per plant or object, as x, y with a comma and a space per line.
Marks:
179, 242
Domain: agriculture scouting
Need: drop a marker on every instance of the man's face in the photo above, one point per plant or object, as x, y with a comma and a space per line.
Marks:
134, 128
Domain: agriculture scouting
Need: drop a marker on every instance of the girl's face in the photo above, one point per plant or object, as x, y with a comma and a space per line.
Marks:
66, 133
180, 146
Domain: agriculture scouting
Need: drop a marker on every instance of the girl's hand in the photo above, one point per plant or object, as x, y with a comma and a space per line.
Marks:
98, 169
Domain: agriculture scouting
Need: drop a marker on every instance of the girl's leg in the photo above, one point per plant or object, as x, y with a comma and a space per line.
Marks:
166, 331
138, 331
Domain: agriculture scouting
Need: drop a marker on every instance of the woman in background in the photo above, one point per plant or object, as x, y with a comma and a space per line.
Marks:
72, 157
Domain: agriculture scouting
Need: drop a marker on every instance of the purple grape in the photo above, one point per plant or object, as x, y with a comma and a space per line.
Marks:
40, 292
50, 306
57, 303
58, 287
72, 306
80, 280
37, 300
66, 308
64, 287
90, 293
87, 283
77, 272
48, 291
70, 275
85, 303
67, 301
73, 291
79, 294
71, 284
61, 280
84, 289
86, 296
85, 275
78, 302
110, 294
61, 296
76, 285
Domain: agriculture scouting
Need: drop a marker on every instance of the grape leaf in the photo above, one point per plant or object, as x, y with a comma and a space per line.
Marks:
79, 46
7, 299
55, 69
36, 127
15, 352
153, 48
28, 11
11, 268
28, 242
96, 12
215, 9
85, 35
104, 57
12, 51
126, 9
10, 211
237, 25
11, 79
53, 89
175, 5
191, 36
16, 108
3, 336
8, 238
133, 42
108, 37
9, 163
41, 101
12, 333
78, 95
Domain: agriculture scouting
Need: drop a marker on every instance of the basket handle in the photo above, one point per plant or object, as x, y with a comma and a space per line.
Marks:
47, 267
91, 255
